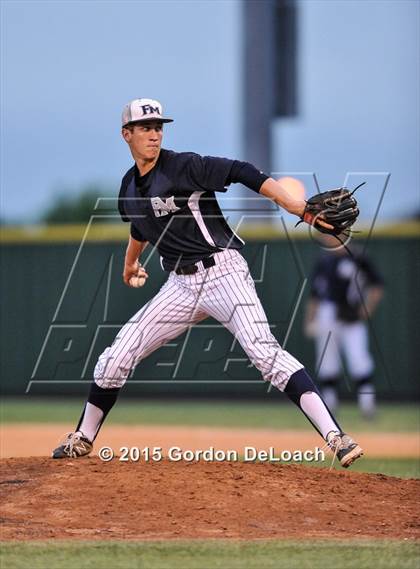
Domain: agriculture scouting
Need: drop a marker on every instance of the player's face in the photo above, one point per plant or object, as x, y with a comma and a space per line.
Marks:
144, 140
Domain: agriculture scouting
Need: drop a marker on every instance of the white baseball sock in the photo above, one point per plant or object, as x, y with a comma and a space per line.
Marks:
91, 421
313, 406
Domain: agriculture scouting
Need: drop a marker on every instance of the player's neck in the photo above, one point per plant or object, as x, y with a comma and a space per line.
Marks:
144, 165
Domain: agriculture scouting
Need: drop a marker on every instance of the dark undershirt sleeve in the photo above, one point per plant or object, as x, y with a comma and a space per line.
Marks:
121, 195
246, 174
212, 173
209, 172
136, 233
122, 210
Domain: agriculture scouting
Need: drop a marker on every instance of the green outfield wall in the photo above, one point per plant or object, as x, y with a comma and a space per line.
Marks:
63, 301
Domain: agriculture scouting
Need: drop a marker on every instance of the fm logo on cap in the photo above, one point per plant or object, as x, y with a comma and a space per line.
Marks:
143, 110
149, 110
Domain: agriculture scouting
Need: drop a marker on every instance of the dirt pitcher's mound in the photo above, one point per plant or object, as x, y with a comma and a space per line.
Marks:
89, 499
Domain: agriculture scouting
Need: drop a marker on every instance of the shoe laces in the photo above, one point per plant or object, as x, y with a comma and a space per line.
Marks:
334, 443
71, 441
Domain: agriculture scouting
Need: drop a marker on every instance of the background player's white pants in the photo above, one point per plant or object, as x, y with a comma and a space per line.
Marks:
227, 293
349, 339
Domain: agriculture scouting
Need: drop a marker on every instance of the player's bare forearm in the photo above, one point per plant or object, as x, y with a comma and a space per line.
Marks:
134, 250
274, 191
132, 267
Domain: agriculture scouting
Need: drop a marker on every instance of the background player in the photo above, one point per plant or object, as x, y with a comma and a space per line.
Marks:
345, 292
169, 198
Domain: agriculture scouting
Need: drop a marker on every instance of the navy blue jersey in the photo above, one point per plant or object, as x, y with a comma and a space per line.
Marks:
344, 281
174, 207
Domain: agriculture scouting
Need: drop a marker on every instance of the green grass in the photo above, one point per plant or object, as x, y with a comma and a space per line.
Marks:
260, 415
211, 554
401, 467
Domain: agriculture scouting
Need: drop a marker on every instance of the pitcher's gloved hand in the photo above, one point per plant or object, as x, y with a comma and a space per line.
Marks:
331, 212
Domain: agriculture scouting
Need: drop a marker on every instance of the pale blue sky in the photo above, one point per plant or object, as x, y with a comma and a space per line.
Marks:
359, 101
68, 67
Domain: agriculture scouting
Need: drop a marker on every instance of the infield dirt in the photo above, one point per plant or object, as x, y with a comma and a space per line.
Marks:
89, 499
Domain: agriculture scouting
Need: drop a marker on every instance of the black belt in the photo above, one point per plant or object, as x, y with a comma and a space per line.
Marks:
192, 269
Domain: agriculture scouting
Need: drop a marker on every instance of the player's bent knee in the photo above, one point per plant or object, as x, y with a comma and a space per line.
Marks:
278, 379
275, 364
112, 370
110, 382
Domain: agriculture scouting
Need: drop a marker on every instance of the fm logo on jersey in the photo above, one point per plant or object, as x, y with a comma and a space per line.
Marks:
161, 207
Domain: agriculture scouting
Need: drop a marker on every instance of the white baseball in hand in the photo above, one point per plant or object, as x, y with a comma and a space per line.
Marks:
137, 282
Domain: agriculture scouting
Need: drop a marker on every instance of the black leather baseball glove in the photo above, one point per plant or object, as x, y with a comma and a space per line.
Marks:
333, 212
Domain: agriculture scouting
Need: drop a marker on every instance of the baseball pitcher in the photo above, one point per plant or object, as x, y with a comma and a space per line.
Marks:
170, 201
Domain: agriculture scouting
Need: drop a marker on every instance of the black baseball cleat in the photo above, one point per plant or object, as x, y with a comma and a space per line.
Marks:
344, 447
75, 445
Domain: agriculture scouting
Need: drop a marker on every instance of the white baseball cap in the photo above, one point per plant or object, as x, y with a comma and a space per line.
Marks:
143, 110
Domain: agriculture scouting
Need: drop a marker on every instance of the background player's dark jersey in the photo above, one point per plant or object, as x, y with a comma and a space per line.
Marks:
174, 207
344, 280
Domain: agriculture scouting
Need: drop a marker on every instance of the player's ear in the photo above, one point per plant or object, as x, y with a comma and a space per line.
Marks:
126, 134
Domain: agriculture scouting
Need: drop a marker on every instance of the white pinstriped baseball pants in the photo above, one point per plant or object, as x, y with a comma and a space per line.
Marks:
226, 292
